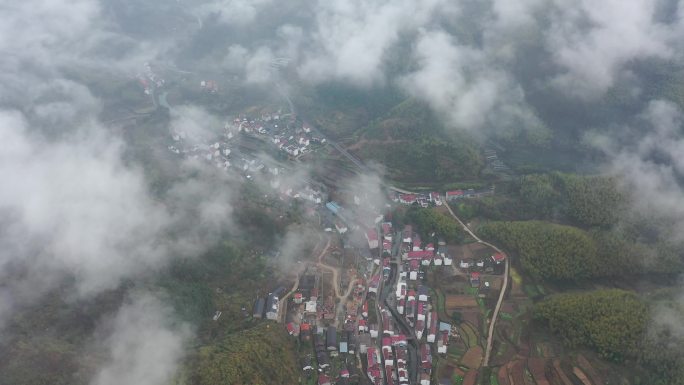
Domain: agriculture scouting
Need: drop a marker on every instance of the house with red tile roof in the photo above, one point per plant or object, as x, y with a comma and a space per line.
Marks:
372, 238
498, 257
455, 194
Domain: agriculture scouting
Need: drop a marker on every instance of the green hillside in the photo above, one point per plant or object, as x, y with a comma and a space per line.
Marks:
263, 355
414, 146
611, 321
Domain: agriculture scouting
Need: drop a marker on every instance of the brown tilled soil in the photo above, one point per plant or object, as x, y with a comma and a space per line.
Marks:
454, 302
589, 369
473, 357
517, 373
537, 367
560, 373
502, 376
470, 378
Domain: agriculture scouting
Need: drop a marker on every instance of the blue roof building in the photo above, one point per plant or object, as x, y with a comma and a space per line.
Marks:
334, 207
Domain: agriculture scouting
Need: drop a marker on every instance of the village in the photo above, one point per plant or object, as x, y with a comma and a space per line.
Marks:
371, 308
237, 148
379, 303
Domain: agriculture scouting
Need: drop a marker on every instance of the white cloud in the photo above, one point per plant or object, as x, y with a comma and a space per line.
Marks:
593, 41
234, 12
76, 206
196, 122
258, 66
460, 83
351, 38
72, 208
144, 345
649, 161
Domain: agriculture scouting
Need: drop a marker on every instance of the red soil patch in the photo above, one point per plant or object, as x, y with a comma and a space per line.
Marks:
470, 378
454, 302
503, 376
473, 357
537, 367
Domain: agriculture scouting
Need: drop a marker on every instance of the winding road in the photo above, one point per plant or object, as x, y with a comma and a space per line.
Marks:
502, 293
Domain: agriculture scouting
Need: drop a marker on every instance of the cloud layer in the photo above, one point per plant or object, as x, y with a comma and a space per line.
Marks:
650, 163
144, 345
71, 206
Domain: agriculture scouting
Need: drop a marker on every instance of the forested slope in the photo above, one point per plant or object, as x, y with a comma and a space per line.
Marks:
611, 321
263, 355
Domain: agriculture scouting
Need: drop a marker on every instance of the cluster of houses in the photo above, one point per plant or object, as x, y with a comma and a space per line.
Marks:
415, 307
218, 152
374, 241
422, 199
354, 306
213, 152
209, 86
149, 80
326, 345
469, 193
268, 307
416, 254
353, 219
485, 263
337, 220
390, 361
434, 198
288, 137
328, 342
311, 314
305, 193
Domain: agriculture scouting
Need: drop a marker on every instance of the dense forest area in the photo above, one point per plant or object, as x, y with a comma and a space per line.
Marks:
580, 228
611, 321
404, 135
223, 278
581, 200
620, 326
432, 224
566, 253
584, 200
262, 355
411, 142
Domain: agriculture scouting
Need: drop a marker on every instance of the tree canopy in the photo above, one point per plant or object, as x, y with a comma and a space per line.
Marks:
262, 355
548, 250
429, 221
612, 321
560, 252
587, 200
663, 348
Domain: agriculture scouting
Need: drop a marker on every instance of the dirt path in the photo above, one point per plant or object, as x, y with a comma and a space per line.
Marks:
343, 301
490, 336
335, 271
295, 286
336, 277
336, 284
